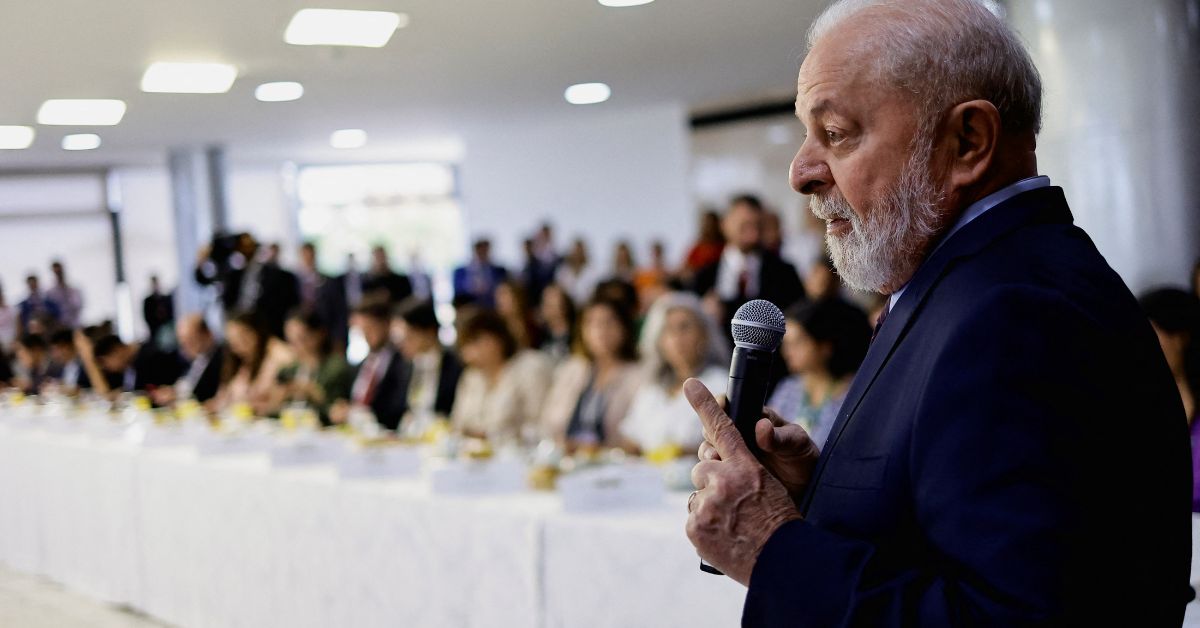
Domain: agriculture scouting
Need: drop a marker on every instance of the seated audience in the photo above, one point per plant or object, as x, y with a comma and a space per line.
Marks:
204, 359
821, 282
379, 380
679, 340
115, 366
33, 364
431, 378
66, 368
592, 392
319, 376
501, 391
823, 347
251, 366
513, 306
557, 314
1175, 316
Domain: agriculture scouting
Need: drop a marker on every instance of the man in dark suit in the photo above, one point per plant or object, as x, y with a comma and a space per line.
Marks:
382, 283
158, 309
475, 283
746, 270
202, 358
977, 473
325, 296
431, 369
380, 379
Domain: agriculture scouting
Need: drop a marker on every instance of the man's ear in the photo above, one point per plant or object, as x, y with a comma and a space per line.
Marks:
973, 132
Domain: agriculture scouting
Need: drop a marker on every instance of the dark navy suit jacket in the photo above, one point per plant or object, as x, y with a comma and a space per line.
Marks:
1013, 452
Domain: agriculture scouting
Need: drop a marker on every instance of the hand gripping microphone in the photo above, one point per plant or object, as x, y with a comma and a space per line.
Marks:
758, 328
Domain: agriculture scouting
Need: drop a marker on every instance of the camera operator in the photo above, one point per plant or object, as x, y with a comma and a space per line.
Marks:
247, 280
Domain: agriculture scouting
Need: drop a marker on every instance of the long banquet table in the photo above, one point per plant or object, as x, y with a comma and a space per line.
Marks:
230, 541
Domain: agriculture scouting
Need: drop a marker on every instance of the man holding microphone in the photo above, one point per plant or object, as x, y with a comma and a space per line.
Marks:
980, 472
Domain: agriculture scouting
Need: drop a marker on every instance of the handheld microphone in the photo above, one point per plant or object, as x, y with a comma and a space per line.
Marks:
758, 327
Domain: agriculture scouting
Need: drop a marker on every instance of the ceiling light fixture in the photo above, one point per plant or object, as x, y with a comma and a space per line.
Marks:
348, 138
188, 78
337, 27
282, 91
15, 137
81, 112
587, 93
81, 141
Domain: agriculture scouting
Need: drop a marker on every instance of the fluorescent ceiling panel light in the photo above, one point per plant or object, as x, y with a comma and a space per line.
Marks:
81, 141
279, 92
336, 27
81, 112
348, 138
15, 137
587, 93
188, 78
624, 3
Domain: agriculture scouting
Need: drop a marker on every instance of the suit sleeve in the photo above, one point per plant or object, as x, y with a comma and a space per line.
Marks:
994, 477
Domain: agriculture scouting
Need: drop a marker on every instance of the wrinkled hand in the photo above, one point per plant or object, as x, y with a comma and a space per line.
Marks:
787, 452
738, 504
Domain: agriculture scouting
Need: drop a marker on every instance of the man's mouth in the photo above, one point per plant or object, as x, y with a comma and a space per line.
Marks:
838, 227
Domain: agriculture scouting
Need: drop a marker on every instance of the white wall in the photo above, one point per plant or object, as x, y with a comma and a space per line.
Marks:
599, 174
148, 229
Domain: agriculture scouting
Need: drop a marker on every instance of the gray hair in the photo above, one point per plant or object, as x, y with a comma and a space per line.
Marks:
657, 371
947, 52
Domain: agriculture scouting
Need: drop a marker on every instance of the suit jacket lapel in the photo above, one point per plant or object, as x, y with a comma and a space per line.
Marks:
1043, 205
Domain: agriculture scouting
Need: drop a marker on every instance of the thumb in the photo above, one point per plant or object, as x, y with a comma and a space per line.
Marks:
764, 433
718, 427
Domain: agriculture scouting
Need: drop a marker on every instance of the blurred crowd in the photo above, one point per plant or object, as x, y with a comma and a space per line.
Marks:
555, 349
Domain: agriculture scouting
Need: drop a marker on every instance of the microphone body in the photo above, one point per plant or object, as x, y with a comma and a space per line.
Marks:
758, 327
746, 393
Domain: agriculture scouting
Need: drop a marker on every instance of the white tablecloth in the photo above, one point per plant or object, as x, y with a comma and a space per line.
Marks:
229, 541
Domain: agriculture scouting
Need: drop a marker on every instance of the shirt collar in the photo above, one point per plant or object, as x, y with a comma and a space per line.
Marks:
977, 209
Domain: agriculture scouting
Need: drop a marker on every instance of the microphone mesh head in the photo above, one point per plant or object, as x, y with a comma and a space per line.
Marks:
758, 324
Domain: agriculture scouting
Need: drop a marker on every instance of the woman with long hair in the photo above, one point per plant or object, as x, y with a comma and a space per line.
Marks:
591, 393
319, 376
823, 347
251, 368
679, 341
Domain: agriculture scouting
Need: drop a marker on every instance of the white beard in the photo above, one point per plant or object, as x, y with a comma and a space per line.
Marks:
882, 251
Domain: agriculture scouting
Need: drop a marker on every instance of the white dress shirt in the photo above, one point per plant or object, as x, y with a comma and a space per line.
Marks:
733, 264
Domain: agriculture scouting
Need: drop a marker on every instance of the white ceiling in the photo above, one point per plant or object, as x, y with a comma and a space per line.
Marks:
460, 64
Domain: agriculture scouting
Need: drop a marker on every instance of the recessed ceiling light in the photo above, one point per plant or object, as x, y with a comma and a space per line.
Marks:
336, 27
81, 141
348, 138
188, 78
15, 137
624, 3
81, 112
279, 92
587, 93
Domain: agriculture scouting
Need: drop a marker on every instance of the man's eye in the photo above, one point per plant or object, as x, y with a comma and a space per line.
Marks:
834, 136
